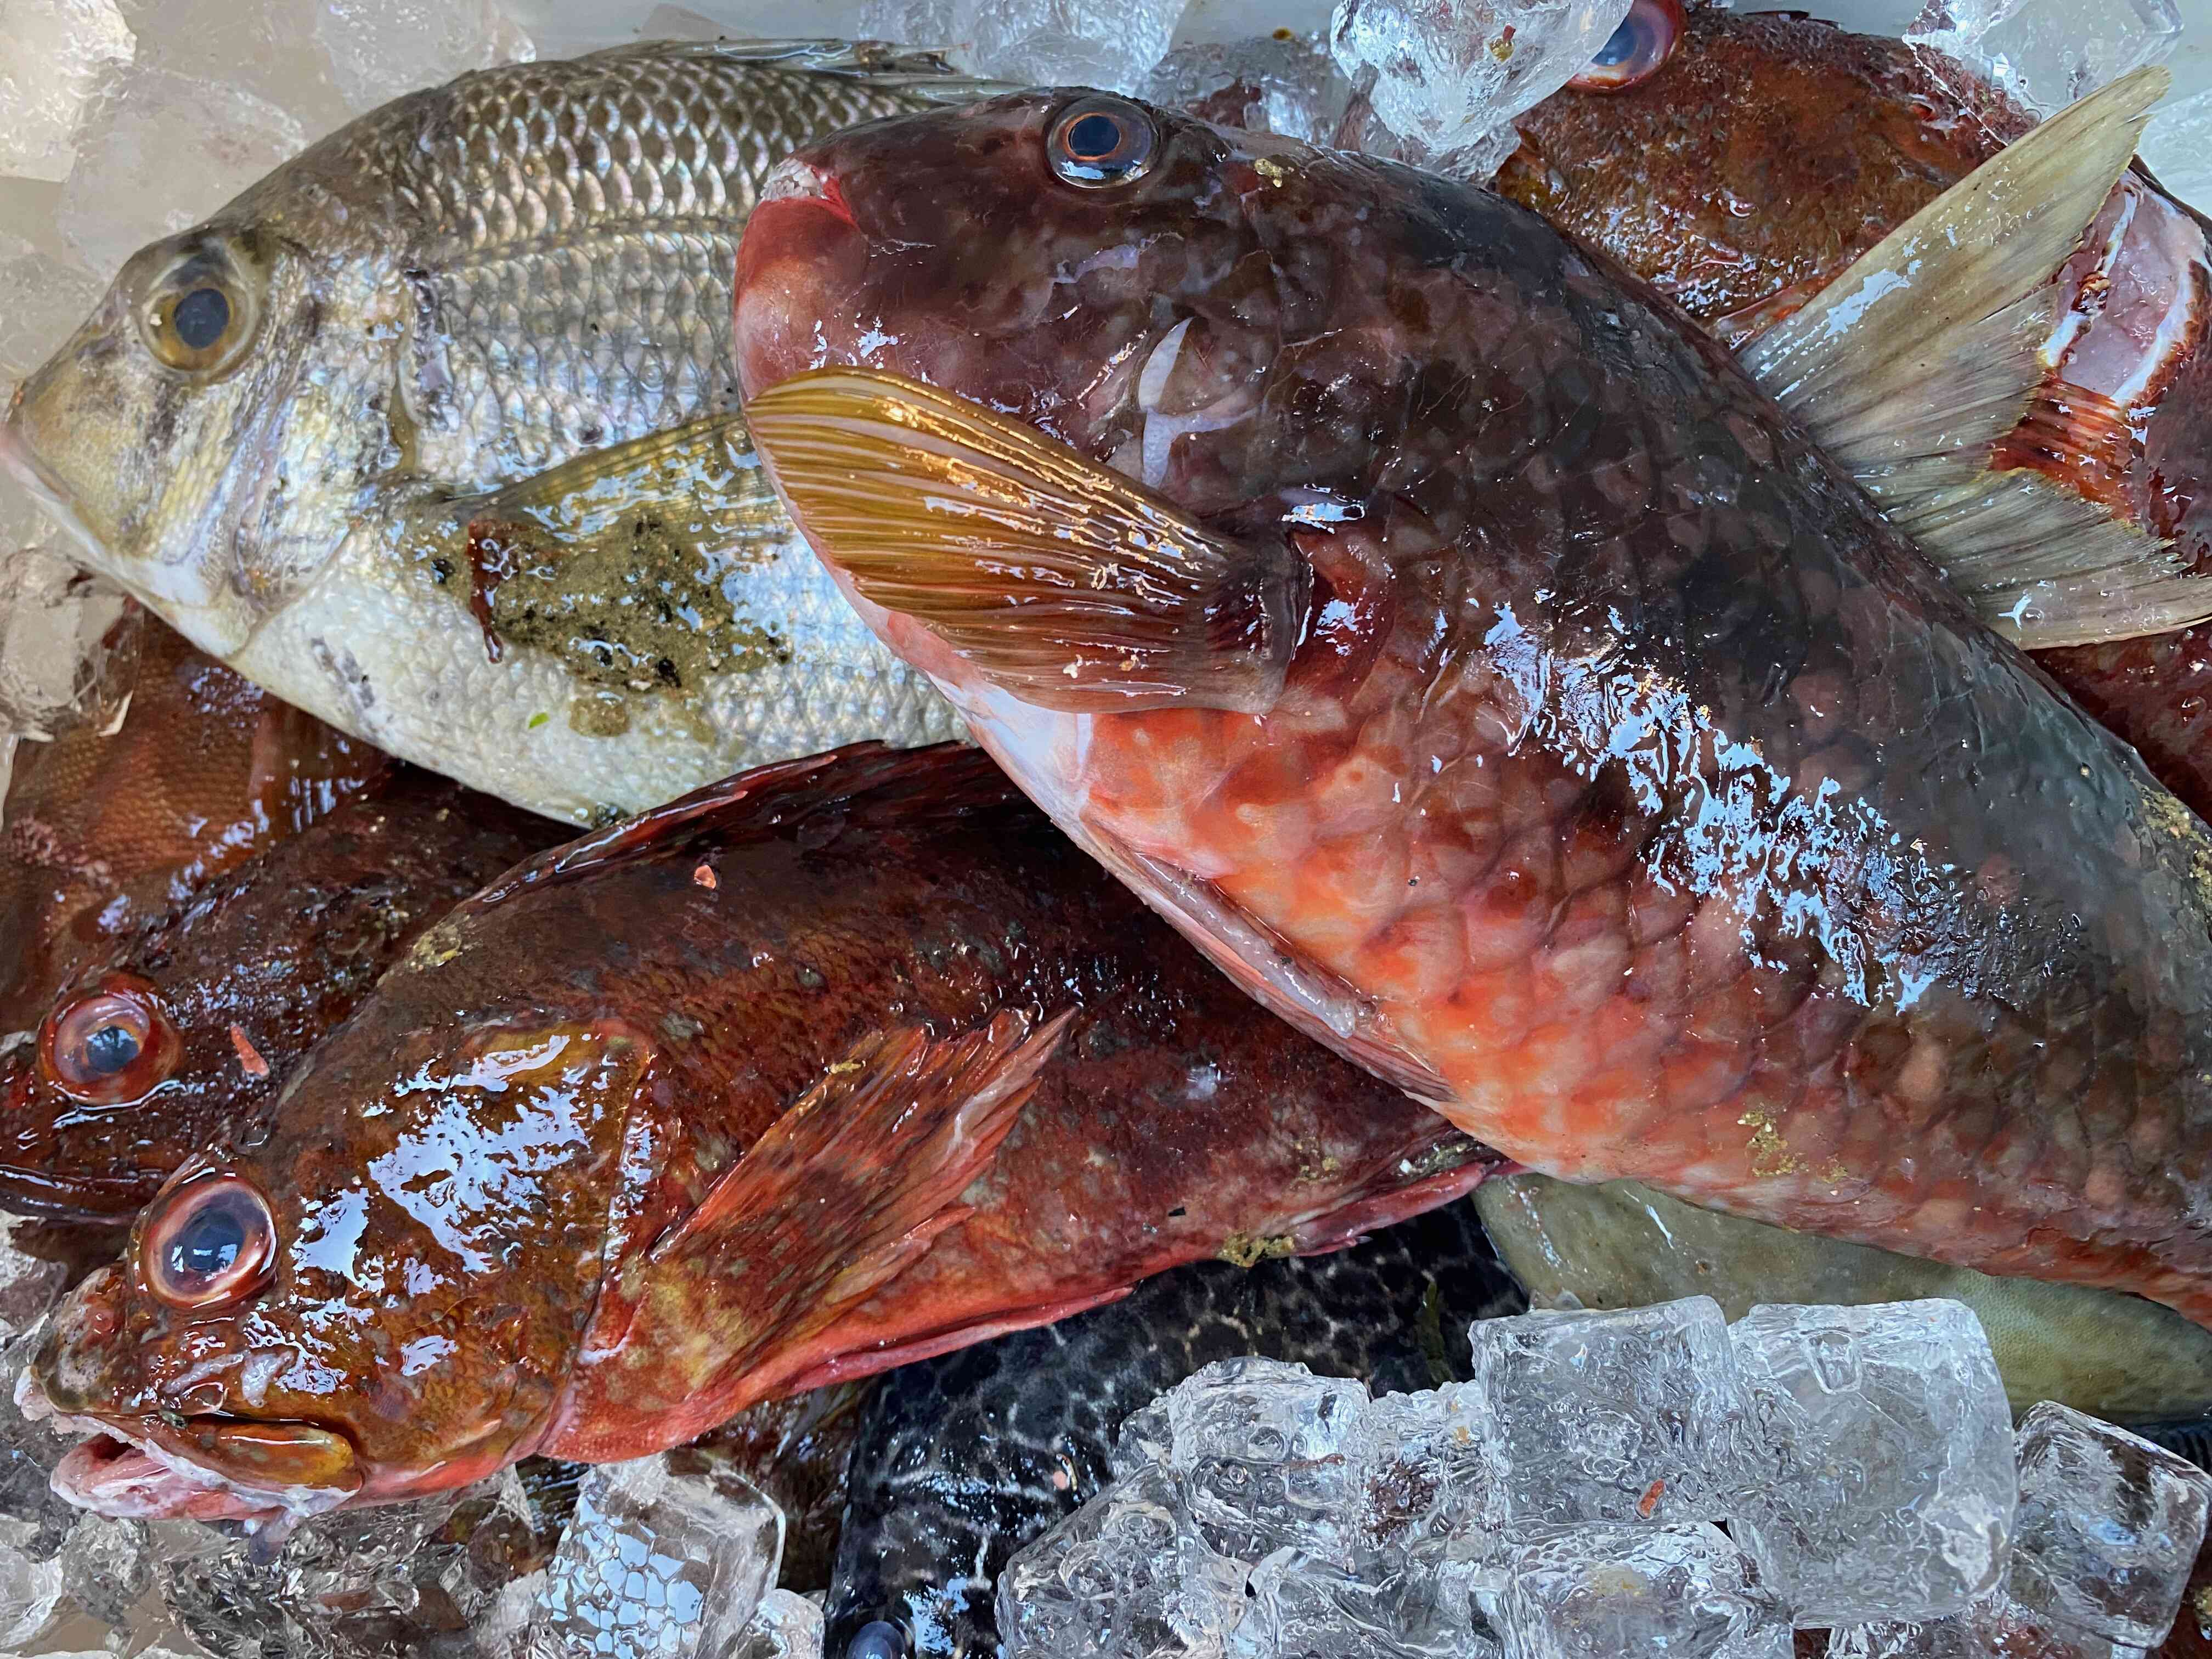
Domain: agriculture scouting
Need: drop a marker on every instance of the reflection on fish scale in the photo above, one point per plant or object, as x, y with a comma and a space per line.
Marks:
960, 1460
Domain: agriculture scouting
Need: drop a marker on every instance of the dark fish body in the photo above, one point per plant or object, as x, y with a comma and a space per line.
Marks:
841, 1063
1515, 697
1770, 149
105, 831
217, 998
961, 1460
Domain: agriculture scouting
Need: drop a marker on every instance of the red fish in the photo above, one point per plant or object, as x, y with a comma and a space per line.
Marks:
1739, 162
186, 1029
104, 831
616, 1152
1497, 682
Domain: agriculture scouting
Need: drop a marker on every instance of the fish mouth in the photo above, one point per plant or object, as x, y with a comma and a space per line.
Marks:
22, 464
207, 1467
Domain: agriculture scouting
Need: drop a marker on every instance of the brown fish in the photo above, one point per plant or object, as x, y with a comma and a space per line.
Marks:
1496, 680
183, 1031
1749, 158
103, 832
840, 1063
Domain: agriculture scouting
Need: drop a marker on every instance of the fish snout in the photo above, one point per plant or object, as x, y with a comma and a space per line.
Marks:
801, 241
75, 1364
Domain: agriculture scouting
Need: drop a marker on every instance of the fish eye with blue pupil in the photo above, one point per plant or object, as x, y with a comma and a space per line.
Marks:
879, 1639
208, 1242
1099, 141
1637, 50
109, 1045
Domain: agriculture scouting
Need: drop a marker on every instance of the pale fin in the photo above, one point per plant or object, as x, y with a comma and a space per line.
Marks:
1913, 364
893, 1133
1056, 577
924, 73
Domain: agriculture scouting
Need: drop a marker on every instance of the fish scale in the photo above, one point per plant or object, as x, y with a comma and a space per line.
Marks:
468, 290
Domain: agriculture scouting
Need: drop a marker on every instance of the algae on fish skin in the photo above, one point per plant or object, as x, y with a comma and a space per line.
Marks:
638, 609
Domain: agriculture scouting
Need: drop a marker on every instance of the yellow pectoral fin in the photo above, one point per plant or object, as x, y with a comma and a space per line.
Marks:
1056, 577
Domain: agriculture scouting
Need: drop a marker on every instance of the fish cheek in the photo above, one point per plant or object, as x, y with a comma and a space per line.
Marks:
437, 1281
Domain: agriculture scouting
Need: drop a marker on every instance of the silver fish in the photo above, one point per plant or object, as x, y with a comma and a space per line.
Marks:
1623, 1245
379, 433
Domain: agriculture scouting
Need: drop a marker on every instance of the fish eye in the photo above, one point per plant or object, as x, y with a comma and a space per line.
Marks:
879, 1638
197, 318
111, 1044
1100, 141
1637, 50
210, 1241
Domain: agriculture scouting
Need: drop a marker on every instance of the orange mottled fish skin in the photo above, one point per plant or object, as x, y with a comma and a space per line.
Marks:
103, 832
270, 955
1653, 803
482, 1184
1773, 148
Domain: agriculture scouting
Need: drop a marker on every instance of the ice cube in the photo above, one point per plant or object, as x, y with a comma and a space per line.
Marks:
341, 1581
1128, 1576
2108, 1529
785, 1627
161, 151
68, 655
28, 1451
660, 1558
1624, 1417
1995, 1628
1423, 1475
923, 23
1600, 1592
42, 301
107, 1566
2176, 146
1449, 75
52, 55
2046, 53
1880, 1478
1258, 1444
267, 47
1287, 85
29, 1285
1085, 43
30, 1583
1303, 1608
381, 49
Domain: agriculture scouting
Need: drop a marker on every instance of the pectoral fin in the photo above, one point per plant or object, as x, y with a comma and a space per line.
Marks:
865, 1165
626, 546
1054, 576
1911, 365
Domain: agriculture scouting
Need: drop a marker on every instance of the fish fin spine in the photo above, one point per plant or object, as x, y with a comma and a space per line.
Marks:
1054, 576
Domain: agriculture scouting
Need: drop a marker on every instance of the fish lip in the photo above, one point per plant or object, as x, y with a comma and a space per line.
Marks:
172, 1474
23, 464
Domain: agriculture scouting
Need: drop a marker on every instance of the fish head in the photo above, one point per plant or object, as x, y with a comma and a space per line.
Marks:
1094, 266
207, 428
106, 1098
383, 1296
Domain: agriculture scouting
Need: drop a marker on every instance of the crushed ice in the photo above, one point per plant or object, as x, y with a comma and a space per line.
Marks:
1647, 1481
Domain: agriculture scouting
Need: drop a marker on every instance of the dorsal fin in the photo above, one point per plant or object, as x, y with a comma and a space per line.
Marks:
1913, 364
925, 74
871, 782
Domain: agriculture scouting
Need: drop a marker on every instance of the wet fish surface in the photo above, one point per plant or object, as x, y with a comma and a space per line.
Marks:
1469, 655
186, 1031
1754, 155
375, 434
104, 830
961, 1460
841, 1063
